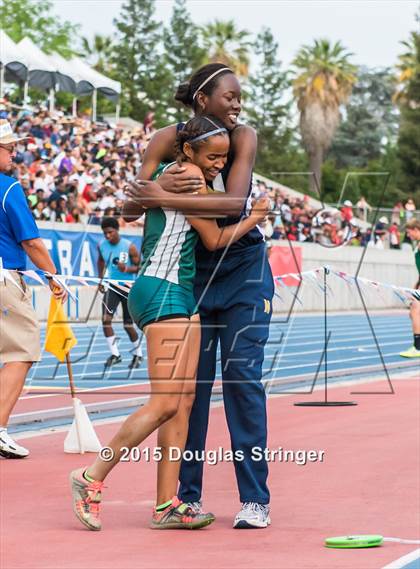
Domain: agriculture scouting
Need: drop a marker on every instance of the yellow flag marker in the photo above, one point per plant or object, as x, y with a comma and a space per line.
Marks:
59, 341
59, 335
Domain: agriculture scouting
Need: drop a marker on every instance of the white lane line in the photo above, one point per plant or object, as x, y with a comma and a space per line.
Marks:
358, 358
122, 385
277, 326
350, 334
404, 560
358, 322
333, 340
307, 377
278, 369
268, 371
342, 349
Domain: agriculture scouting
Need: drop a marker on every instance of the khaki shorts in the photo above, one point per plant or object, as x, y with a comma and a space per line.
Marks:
19, 327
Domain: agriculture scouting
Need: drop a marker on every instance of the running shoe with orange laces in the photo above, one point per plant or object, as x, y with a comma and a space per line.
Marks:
179, 515
86, 499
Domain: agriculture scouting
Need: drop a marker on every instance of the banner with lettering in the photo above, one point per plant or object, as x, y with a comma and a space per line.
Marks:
76, 253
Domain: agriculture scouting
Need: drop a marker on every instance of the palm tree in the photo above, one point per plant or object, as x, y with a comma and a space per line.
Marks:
323, 81
98, 52
406, 67
226, 44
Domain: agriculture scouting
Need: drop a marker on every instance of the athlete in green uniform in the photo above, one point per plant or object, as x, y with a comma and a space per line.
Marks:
413, 231
163, 289
162, 303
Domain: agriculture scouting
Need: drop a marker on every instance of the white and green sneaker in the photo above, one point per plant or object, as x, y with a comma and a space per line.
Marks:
412, 352
252, 515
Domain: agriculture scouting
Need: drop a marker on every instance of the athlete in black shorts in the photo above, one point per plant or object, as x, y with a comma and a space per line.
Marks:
118, 259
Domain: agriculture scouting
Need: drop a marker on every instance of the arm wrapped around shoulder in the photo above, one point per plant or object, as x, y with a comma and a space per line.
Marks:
189, 172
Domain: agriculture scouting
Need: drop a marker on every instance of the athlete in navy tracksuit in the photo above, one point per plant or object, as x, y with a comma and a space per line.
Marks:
232, 289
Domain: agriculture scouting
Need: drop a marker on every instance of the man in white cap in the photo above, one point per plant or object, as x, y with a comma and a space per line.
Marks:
19, 326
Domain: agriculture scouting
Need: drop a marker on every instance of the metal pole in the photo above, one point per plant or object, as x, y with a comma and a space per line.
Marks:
324, 358
25, 92
1, 81
70, 374
74, 109
75, 402
94, 101
52, 99
325, 336
117, 112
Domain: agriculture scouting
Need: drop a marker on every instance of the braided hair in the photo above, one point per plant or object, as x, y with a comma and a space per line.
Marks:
186, 91
194, 128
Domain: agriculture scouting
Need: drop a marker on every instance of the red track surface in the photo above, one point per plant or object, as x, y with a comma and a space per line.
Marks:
368, 483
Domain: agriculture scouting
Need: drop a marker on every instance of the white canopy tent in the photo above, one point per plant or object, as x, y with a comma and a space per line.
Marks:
26, 62
41, 72
93, 82
65, 75
13, 63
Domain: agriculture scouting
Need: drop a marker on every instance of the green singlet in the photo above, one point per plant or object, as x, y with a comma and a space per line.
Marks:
164, 288
169, 244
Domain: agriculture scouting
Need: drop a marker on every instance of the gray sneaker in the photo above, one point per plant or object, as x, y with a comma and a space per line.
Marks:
252, 515
196, 507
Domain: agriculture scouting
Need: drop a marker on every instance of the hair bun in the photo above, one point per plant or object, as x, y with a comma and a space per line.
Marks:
183, 93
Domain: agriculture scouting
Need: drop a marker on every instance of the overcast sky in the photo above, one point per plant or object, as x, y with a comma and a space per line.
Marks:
370, 29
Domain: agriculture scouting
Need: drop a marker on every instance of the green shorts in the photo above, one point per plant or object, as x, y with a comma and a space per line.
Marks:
152, 300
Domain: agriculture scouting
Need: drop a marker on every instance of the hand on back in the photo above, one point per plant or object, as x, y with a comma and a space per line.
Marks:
260, 209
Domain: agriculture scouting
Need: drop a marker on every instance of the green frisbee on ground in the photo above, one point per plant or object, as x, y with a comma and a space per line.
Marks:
354, 541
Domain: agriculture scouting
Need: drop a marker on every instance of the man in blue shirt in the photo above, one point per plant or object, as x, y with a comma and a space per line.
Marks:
118, 259
19, 326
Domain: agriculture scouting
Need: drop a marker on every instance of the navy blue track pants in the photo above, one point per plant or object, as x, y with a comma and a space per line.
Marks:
235, 310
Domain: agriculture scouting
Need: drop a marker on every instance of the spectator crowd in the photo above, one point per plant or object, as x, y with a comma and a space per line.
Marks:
73, 171
293, 218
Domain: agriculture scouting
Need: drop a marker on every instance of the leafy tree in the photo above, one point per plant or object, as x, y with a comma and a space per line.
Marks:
226, 44
34, 19
406, 66
266, 108
362, 182
323, 81
137, 59
371, 120
182, 55
409, 133
98, 52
